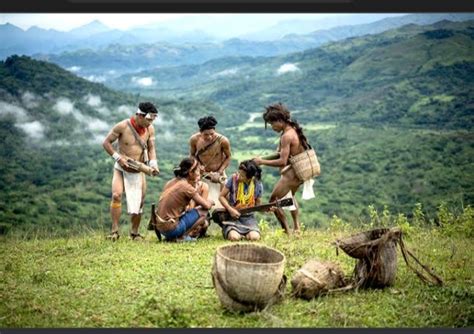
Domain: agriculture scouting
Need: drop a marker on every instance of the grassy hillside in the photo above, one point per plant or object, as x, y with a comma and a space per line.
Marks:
88, 282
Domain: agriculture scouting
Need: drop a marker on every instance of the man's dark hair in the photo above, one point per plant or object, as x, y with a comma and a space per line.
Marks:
148, 107
185, 167
206, 123
279, 112
251, 169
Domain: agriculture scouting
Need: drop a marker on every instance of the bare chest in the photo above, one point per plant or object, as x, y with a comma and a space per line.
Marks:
130, 146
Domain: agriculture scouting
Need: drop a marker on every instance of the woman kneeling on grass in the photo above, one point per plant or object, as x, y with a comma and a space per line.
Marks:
176, 219
242, 190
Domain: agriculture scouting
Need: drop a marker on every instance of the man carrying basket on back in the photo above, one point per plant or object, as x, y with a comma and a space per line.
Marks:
297, 161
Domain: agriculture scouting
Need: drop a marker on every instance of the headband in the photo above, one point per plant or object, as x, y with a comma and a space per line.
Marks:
147, 114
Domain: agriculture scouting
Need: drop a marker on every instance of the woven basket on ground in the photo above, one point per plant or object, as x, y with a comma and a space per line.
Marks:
376, 251
316, 278
358, 245
305, 165
248, 276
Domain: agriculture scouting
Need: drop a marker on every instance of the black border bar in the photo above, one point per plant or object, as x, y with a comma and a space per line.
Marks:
234, 6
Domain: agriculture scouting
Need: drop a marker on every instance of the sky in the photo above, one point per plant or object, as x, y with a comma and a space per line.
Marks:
66, 22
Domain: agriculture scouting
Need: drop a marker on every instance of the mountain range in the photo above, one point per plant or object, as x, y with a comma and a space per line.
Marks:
98, 53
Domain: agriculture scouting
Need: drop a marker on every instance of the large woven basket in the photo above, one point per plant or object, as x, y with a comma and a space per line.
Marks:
305, 165
248, 276
376, 251
358, 245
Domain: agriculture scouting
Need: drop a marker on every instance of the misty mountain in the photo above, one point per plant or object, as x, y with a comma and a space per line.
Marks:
412, 67
93, 35
306, 26
92, 28
109, 62
197, 30
346, 31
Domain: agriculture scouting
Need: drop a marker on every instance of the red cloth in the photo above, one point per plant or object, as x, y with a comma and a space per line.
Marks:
141, 130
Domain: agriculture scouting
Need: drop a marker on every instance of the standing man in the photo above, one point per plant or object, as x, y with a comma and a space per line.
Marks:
212, 150
136, 141
292, 142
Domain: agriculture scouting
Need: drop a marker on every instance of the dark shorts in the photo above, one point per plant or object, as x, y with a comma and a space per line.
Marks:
186, 221
243, 226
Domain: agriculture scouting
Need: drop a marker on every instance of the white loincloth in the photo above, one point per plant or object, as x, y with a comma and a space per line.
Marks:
133, 183
214, 192
291, 207
308, 192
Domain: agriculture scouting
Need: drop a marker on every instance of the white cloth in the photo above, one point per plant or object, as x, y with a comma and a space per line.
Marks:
308, 192
291, 207
133, 183
214, 192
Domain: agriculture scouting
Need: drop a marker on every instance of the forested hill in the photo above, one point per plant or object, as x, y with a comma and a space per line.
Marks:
413, 76
390, 116
54, 171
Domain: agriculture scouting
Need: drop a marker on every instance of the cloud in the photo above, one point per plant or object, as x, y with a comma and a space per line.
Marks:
165, 136
145, 81
9, 109
64, 106
35, 130
74, 68
103, 110
97, 125
30, 100
92, 123
286, 68
93, 100
228, 72
95, 78
97, 139
127, 110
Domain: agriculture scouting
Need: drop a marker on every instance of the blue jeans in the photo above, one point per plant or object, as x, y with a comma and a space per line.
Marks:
186, 221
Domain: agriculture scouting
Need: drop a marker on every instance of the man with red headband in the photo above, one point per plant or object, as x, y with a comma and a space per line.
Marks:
136, 141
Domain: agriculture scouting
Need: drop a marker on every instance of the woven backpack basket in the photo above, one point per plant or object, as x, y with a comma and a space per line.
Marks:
305, 165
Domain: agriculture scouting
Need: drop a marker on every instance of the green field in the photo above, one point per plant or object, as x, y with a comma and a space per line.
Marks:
86, 281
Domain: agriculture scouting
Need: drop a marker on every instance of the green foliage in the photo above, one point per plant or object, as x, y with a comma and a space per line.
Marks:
336, 223
263, 226
402, 222
452, 224
418, 215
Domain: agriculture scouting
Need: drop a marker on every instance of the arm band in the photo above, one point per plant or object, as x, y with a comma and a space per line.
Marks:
116, 156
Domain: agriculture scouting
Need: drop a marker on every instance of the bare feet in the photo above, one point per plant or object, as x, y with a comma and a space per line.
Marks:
114, 236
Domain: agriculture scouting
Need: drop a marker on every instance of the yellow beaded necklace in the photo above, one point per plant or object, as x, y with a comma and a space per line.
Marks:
246, 199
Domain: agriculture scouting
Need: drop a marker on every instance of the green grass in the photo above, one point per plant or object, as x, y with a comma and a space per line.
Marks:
86, 281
